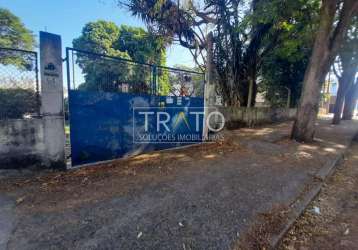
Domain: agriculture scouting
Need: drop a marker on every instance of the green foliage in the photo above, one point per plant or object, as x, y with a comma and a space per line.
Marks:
284, 67
280, 74
164, 84
125, 42
15, 103
13, 34
100, 37
23, 61
245, 34
140, 45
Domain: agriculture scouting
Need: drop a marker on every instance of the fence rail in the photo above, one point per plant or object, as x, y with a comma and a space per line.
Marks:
19, 84
98, 72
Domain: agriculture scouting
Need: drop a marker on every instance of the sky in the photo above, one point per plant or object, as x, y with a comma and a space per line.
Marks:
67, 18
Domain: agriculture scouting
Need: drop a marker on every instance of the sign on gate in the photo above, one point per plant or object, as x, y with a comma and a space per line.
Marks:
116, 113
111, 125
172, 124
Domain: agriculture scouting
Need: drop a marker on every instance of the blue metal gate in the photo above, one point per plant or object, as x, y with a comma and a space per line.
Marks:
119, 107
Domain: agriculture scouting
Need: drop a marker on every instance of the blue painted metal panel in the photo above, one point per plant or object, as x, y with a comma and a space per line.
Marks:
106, 126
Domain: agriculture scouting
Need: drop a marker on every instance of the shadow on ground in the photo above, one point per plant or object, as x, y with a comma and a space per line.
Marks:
203, 197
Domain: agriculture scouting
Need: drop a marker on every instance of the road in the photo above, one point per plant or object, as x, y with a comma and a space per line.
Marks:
203, 197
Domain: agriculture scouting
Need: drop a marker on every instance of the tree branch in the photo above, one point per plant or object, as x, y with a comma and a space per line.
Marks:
350, 7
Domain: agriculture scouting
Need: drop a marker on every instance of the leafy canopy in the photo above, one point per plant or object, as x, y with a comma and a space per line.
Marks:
284, 66
123, 41
244, 34
15, 101
14, 34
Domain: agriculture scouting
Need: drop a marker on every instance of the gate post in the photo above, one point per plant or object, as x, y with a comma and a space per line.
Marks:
52, 100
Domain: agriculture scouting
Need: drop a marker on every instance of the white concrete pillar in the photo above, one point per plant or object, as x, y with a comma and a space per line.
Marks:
52, 99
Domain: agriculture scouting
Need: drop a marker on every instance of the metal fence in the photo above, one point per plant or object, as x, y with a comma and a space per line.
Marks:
19, 84
97, 72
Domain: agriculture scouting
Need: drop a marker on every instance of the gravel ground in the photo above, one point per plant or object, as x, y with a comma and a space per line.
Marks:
203, 197
331, 220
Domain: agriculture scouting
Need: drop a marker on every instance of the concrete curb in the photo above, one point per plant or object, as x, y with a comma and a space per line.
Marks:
300, 205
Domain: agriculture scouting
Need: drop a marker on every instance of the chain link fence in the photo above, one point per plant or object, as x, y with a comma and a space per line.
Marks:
96, 72
19, 84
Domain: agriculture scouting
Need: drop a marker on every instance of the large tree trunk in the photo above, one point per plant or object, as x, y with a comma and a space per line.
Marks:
338, 106
304, 126
350, 102
324, 52
346, 81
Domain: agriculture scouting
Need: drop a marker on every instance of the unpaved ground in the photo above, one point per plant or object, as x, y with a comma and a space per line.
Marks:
203, 197
336, 224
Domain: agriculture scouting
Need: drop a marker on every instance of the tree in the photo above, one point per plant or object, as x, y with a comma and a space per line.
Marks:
244, 32
14, 35
129, 43
284, 66
348, 60
328, 40
282, 80
141, 46
145, 47
15, 103
13, 32
346, 81
17, 95
100, 74
350, 101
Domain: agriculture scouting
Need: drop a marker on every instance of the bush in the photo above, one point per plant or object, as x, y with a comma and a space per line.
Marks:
15, 103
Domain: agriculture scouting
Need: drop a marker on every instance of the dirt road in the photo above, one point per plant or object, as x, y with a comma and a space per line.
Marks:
331, 221
203, 197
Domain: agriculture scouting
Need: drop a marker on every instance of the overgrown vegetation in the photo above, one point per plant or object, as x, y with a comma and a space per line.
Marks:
283, 67
15, 103
249, 37
126, 42
17, 94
